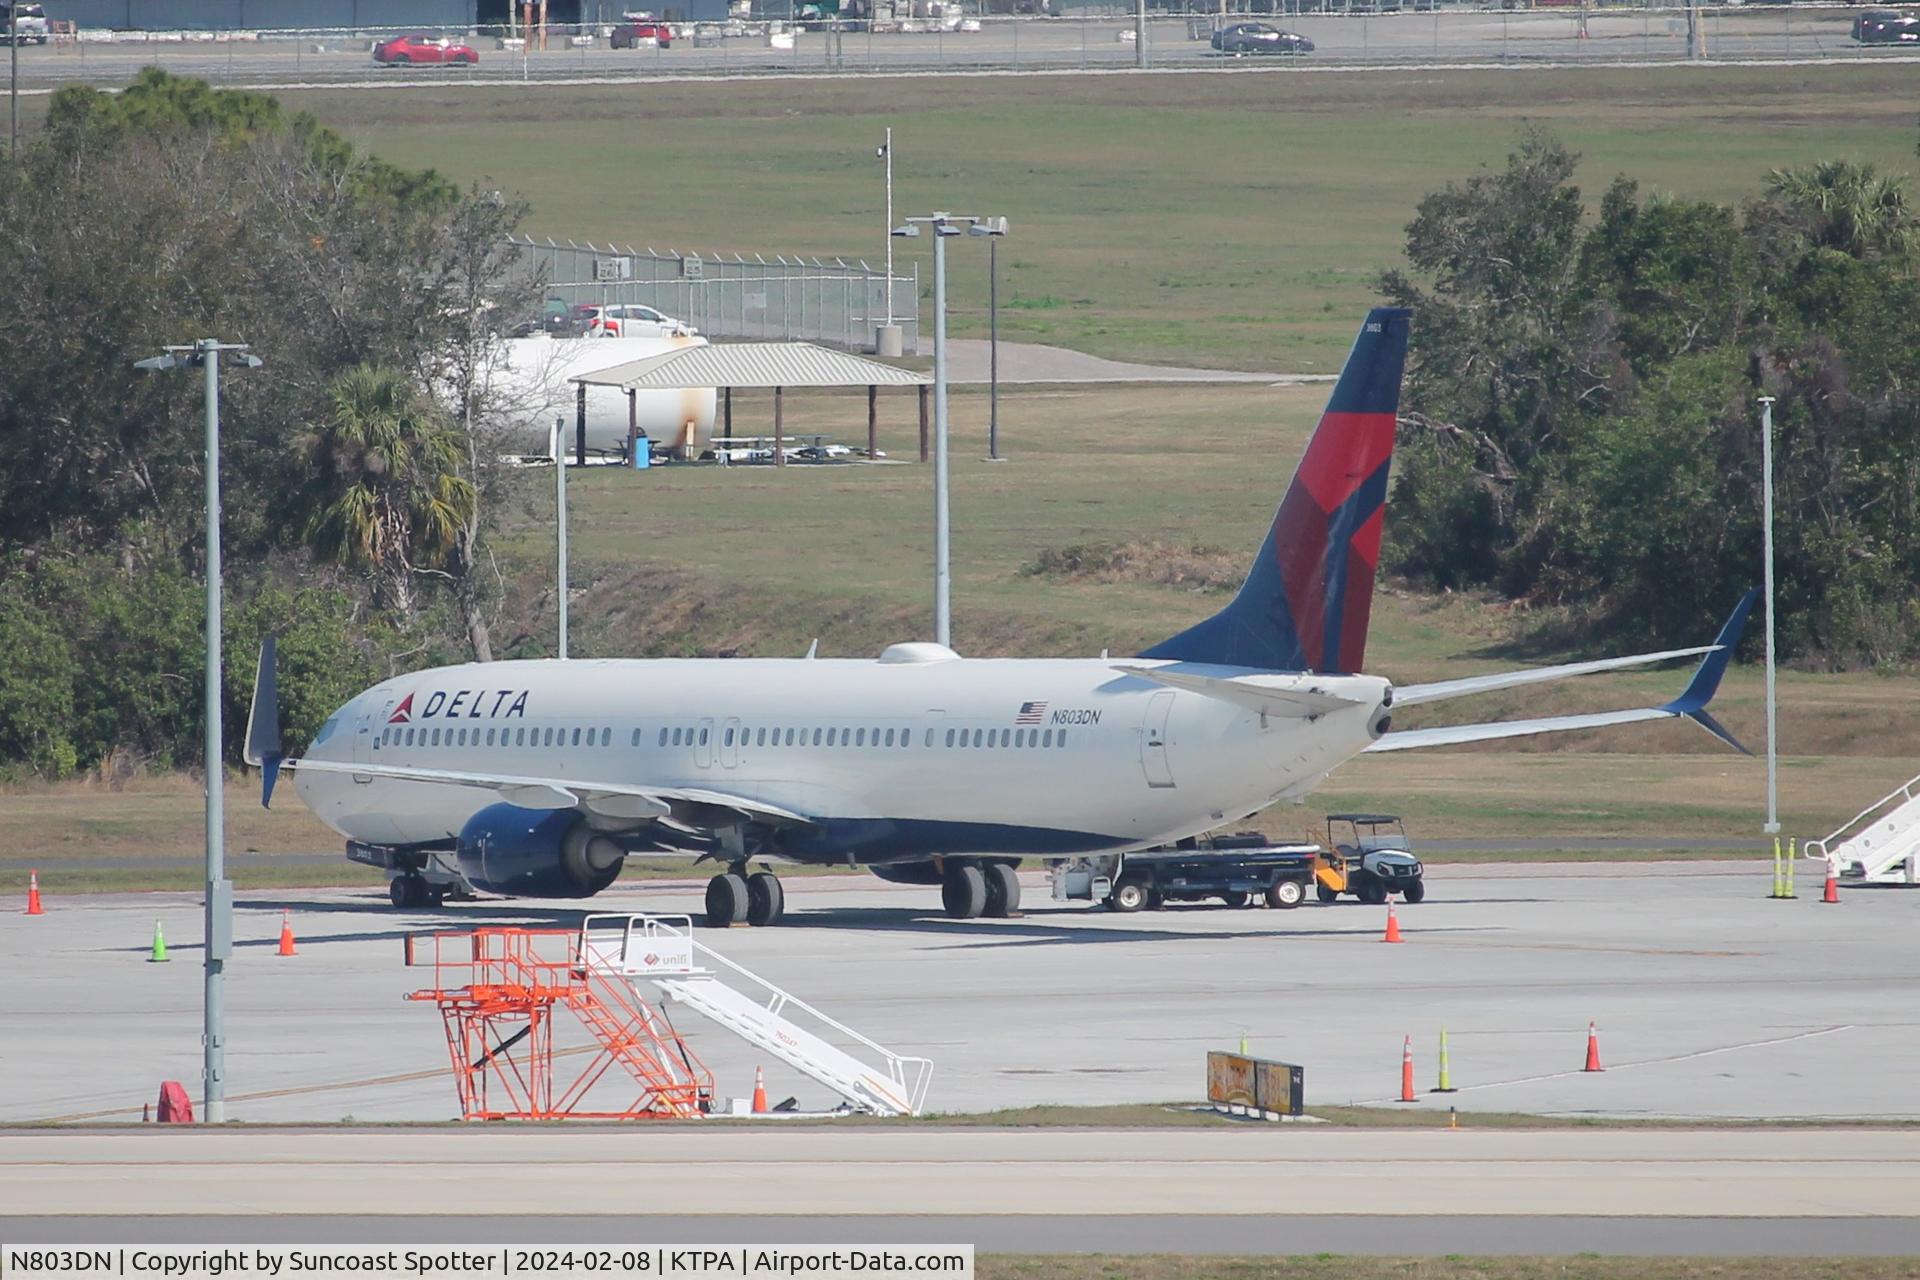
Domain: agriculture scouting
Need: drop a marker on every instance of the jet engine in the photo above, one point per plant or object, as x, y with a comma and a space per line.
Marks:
536, 853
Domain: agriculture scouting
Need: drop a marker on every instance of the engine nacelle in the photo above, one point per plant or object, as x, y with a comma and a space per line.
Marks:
536, 853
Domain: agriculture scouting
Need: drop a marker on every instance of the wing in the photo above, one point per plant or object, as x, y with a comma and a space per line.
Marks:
612, 800
1690, 705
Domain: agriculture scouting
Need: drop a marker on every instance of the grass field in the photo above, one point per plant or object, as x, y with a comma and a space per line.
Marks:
1216, 220
1227, 221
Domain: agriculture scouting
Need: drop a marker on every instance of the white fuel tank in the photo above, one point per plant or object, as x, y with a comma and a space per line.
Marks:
530, 386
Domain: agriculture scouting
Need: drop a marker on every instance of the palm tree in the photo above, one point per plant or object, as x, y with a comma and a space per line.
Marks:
1837, 204
390, 499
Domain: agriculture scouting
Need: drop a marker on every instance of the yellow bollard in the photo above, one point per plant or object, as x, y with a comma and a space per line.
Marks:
1446, 1074
1793, 852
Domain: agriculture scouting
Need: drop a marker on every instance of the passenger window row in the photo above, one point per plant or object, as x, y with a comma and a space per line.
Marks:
755, 736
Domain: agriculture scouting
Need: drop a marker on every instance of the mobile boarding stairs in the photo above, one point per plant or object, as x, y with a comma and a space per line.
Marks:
1880, 844
661, 950
498, 989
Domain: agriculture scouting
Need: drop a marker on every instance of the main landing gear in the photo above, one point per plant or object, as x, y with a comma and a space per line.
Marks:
970, 889
739, 898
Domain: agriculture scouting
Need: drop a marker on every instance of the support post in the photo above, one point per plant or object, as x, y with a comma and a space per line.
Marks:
633, 425
923, 421
1140, 34
727, 400
779, 427
873, 422
580, 424
993, 348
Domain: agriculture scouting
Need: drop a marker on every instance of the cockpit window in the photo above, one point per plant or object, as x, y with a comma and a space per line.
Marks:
326, 730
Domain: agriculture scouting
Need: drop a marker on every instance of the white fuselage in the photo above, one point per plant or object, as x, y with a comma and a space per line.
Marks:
895, 759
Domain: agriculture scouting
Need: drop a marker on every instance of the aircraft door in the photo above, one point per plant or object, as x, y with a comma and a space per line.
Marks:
1153, 740
364, 734
730, 743
703, 744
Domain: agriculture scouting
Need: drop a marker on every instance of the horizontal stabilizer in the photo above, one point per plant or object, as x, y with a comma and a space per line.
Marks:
1275, 695
1690, 705
1412, 695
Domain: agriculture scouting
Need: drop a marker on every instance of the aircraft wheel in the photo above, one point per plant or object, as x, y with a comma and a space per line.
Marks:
1003, 891
1324, 893
726, 900
766, 899
964, 892
1286, 893
407, 891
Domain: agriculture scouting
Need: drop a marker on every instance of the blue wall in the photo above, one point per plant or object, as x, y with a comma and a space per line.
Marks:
260, 15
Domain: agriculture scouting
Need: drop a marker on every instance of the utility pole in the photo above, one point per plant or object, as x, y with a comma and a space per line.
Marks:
993, 349
219, 901
1140, 34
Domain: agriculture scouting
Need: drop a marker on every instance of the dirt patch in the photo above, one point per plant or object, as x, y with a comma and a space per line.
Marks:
1148, 561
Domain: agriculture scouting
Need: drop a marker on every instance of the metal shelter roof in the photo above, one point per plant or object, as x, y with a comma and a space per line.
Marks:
753, 364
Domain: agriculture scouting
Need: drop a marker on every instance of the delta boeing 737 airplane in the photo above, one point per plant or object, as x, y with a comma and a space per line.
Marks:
538, 778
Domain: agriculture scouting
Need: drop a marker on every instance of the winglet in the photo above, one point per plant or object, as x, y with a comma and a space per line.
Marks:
263, 721
1706, 678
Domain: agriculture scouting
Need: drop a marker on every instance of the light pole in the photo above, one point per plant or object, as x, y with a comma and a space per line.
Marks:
885, 152
943, 225
993, 229
219, 906
560, 519
1766, 508
13, 80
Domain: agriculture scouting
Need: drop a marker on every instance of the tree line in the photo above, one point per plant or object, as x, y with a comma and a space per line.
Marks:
1582, 432
356, 473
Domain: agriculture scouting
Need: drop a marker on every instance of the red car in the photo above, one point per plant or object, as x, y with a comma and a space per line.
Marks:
629, 34
402, 50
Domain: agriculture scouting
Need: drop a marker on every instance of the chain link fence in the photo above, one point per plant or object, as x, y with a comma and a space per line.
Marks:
731, 296
1102, 37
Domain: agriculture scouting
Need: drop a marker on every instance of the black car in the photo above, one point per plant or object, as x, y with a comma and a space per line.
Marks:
1884, 26
1258, 37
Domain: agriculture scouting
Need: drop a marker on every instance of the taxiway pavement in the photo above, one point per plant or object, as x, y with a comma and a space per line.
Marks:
1711, 999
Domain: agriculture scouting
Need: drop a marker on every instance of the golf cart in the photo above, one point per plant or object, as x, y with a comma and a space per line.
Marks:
1370, 859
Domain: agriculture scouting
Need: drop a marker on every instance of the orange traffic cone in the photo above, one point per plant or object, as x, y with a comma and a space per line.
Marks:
759, 1091
33, 894
1406, 1070
1593, 1049
1393, 926
1830, 894
286, 934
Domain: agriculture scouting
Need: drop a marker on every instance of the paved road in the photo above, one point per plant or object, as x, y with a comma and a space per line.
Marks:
1731, 1182
1491, 1234
1066, 44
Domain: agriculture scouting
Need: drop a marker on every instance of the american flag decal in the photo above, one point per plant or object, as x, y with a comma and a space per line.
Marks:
1030, 713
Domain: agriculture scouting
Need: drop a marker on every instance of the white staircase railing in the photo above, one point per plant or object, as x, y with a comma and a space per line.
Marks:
1881, 843
662, 950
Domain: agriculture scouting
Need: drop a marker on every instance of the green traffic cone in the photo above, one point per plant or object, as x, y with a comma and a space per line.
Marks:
159, 955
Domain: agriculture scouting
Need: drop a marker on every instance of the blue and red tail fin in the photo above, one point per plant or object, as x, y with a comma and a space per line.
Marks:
1306, 602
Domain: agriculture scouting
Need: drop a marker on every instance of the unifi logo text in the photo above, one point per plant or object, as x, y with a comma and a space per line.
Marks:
463, 704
